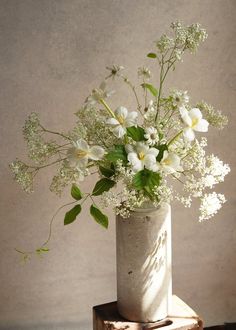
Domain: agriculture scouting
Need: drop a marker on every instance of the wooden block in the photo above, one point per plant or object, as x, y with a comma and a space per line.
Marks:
182, 317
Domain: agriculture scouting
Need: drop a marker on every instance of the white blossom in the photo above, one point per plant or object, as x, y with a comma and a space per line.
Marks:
144, 72
98, 94
140, 156
81, 152
122, 120
194, 121
170, 162
180, 98
210, 205
151, 135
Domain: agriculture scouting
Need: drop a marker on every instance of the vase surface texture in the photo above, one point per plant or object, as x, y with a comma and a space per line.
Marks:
144, 276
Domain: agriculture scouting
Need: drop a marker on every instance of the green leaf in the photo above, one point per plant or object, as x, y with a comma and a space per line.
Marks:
75, 192
161, 149
107, 172
136, 133
71, 215
146, 180
151, 89
152, 55
118, 153
98, 216
102, 185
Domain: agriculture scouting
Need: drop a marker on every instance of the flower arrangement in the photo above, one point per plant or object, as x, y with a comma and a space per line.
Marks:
136, 152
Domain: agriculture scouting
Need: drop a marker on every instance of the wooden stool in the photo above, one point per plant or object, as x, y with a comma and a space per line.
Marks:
106, 317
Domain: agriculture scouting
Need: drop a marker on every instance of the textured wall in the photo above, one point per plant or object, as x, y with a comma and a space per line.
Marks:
52, 54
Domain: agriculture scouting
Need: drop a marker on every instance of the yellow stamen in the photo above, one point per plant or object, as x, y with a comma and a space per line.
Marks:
81, 153
194, 122
120, 119
167, 161
141, 155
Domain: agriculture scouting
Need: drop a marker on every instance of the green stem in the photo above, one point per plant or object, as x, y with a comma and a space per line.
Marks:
174, 138
51, 222
103, 102
160, 87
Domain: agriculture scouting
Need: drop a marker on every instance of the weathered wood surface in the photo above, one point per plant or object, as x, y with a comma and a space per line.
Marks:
182, 317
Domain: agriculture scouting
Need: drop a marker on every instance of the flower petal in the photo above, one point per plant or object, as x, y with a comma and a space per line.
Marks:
153, 151
119, 131
82, 162
137, 164
195, 113
185, 116
81, 145
121, 111
112, 121
96, 153
132, 157
141, 147
131, 119
201, 126
188, 133
149, 161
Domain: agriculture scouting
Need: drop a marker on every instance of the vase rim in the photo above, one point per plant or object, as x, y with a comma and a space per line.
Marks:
149, 207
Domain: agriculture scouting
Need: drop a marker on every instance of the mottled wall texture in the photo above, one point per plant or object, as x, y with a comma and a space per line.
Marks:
52, 53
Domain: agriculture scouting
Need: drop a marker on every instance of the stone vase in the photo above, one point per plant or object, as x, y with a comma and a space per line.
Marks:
144, 276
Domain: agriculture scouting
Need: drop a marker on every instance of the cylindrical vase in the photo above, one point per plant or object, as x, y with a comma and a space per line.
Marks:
144, 276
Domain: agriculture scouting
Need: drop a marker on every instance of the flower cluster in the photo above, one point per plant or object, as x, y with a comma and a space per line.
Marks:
136, 151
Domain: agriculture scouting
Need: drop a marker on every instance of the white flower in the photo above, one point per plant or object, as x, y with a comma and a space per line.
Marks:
151, 135
144, 72
194, 121
170, 162
149, 111
140, 156
210, 205
180, 98
98, 94
81, 152
122, 119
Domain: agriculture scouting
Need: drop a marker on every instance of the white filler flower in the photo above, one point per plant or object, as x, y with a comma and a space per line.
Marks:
140, 156
81, 152
180, 98
122, 119
193, 119
151, 135
210, 205
170, 162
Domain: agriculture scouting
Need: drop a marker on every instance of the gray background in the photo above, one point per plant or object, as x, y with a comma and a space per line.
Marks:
52, 54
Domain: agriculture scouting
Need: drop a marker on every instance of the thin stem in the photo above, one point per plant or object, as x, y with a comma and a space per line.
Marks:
43, 166
160, 87
51, 222
177, 178
126, 80
53, 132
174, 138
145, 94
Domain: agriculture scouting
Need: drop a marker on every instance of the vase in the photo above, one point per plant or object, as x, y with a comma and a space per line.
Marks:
144, 275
